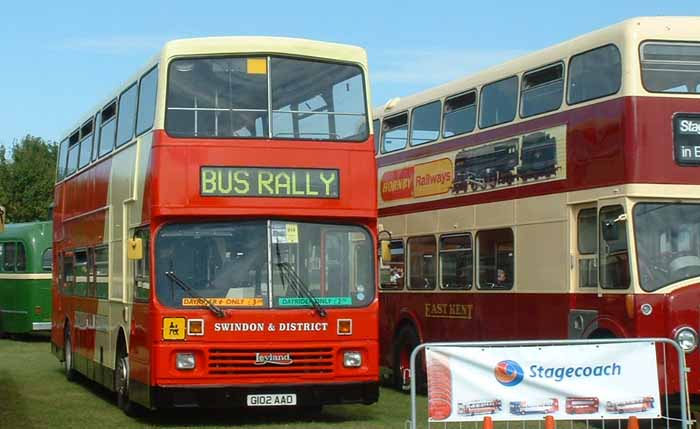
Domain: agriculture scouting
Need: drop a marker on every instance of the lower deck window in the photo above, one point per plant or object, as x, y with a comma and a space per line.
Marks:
496, 259
422, 261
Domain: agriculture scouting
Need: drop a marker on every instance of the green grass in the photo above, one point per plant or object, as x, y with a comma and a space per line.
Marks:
35, 394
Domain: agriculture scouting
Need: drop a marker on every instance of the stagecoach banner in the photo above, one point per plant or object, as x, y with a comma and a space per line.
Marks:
572, 382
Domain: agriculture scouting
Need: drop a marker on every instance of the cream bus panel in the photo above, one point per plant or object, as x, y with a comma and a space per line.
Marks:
456, 219
541, 209
396, 225
494, 215
542, 268
421, 222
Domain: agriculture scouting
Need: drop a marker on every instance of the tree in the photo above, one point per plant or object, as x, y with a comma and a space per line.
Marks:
26, 180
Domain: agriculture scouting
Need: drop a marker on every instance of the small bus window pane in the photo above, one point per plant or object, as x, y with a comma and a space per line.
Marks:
81, 273
72, 165
587, 231
9, 256
614, 257
460, 115
594, 74
425, 124
496, 259
542, 90
68, 275
499, 102
147, 101
47, 260
107, 134
393, 278
21, 258
62, 160
96, 136
102, 271
395, 133
671, 67
456, 262
126, 116
421, 262
376, 126
85, 151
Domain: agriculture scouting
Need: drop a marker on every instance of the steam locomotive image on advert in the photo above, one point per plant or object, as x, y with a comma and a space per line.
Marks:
506, 162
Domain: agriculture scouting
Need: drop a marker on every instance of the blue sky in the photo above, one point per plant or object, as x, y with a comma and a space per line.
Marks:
61, 58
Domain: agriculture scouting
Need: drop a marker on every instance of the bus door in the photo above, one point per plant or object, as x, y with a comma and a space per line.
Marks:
140, 337
600, 269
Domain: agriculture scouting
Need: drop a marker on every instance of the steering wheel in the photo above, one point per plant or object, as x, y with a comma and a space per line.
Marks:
685, 267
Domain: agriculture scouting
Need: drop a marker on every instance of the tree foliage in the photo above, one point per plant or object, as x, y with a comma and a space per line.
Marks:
27, 178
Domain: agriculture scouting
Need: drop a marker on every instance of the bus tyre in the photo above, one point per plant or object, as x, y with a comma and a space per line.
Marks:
121, 384
405, 342
68, 361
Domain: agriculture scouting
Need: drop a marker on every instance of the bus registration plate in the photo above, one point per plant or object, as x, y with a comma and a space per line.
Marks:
272, 400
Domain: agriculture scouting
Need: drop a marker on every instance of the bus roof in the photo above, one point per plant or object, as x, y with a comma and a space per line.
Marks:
203, 46
626, 35
40, 231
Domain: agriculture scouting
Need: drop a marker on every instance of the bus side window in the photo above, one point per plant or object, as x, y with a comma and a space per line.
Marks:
68, 274
102, 271
456, 263
142, 280
459, 115
108, 127
47, 260
542, 90
393, 276
422, 262
377, 127
498, 102
126, 116
395, 133
594, 74
62, 160
21, 263
425, 123
496, 259
587, 235
80, 271
614, 257
147, 101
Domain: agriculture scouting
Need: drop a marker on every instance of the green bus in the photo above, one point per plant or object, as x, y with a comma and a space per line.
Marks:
25, 277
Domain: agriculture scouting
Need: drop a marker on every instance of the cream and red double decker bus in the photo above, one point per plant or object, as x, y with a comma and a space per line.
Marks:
553, 196
215, 230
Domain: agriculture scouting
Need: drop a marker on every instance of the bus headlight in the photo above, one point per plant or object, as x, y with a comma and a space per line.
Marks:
352, 359
184, 361
687, 338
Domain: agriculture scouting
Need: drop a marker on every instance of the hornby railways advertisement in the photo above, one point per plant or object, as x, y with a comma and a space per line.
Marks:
578, 382
516, 161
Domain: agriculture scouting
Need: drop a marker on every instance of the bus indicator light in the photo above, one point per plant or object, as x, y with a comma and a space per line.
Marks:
344, 326
195, 327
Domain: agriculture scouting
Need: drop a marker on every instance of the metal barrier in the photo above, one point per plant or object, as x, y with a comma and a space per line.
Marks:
684, 421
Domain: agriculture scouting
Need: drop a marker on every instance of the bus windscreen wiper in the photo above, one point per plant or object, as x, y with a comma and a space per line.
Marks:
296, 283
213, 307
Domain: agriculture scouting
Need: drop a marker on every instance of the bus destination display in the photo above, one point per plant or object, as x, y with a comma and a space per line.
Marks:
687, 139
270, 182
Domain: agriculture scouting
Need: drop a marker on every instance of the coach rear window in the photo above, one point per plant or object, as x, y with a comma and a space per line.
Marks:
594, 74
499, 102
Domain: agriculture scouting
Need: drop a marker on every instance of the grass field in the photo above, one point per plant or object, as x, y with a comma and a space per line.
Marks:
35, 394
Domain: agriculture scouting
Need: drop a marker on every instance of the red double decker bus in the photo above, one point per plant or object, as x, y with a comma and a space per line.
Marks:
215, 230
554, 196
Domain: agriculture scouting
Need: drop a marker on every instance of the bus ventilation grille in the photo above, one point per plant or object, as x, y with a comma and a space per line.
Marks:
234, 361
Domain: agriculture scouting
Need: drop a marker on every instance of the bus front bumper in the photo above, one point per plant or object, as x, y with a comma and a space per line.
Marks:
237, 396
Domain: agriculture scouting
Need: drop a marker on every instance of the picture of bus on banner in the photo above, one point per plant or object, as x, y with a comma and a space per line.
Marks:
547, 406
582, 405
474, 408
636, 405
502, 163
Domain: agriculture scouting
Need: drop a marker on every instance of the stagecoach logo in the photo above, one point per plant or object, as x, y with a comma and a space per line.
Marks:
687, 126
687, 139
508, 373
273, 358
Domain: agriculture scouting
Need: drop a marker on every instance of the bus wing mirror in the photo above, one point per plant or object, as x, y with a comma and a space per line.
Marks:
611, 229
134, 249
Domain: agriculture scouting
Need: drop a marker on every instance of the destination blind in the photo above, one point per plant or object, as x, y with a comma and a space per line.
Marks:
270, 182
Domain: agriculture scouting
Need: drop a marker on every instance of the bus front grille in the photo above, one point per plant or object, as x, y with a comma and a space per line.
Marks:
252, 362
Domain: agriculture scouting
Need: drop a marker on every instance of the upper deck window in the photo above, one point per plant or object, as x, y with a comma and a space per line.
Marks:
62, 159
126, 116
671, 67
459, 114
377, 127
542, 90
594, 74
147, 101
395, 133
425, 124
266, 97
499, 102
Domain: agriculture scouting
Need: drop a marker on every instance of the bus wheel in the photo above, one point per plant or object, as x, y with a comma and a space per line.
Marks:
121, 383
68, 363
405, 342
